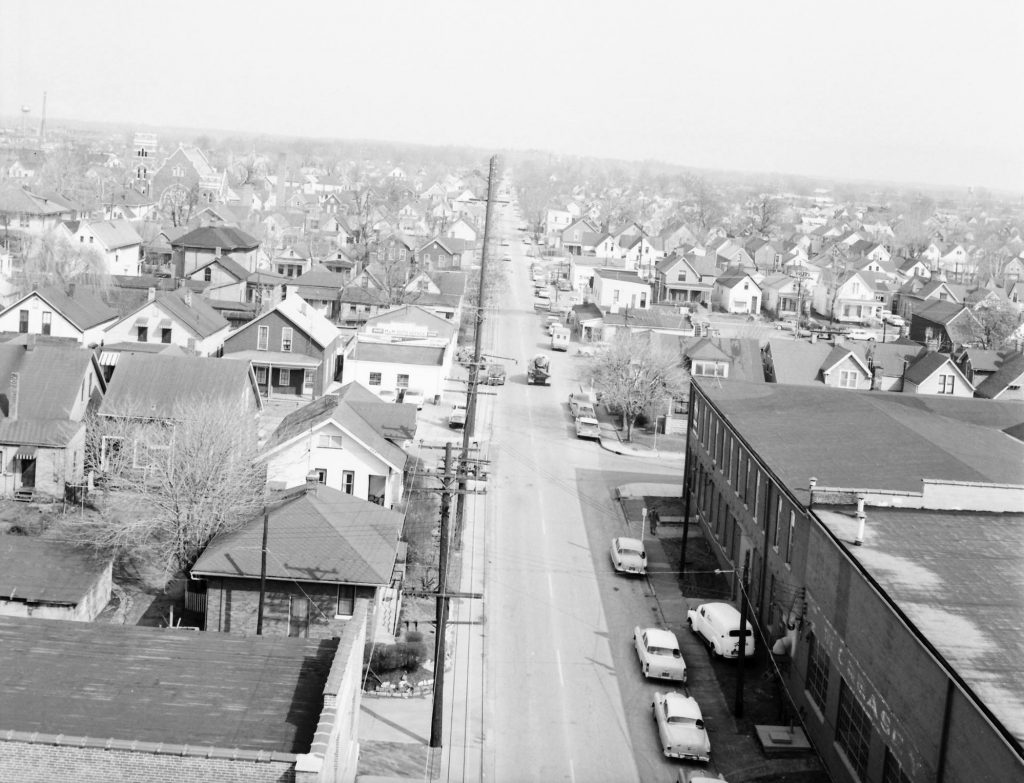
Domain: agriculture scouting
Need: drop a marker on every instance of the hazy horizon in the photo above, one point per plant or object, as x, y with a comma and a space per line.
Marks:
873, 95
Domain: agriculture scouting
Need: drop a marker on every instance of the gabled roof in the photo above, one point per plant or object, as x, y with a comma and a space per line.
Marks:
160, 386
620, 275
32, 569
305, 317
82, 308
940, 311
414, 314
840, 353
798, 362
114, 234
198, 316
361, 414
743, 355
16, 199
49, 381
229, 265
227, 238
926, 365
322, 536
1009, 374
321, 277
732, 277
933, 285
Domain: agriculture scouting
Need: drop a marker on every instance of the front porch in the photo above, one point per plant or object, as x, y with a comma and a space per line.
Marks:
282, 375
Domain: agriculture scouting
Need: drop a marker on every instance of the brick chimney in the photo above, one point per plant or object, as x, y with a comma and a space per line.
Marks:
12, 397
312, 482
151, 294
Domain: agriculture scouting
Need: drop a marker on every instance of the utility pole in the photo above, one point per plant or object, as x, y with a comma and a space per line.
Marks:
448, 477
474, 368
744, 587
263, 574
441, 613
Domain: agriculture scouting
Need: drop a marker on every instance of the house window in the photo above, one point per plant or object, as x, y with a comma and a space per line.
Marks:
346, 600
892, 771
261, 374
757, 491
853, 730
375, 379
262, 338
321, 475
615, 295
778, 519
208, 274
165, 335
817, 672
681, 277
348, 482
47, 318
23, 321
307, 380
286, 339
326, 441
142, 334
945, 384
847, 379
402, 382
298, 616
792, 534
710, 369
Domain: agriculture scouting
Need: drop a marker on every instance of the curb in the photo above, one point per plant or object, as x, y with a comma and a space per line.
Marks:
618, 447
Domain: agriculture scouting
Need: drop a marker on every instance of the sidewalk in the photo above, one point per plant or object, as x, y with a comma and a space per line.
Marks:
611, 440
736, 752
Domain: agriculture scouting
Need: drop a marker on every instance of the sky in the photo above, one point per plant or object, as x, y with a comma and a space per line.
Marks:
898, 91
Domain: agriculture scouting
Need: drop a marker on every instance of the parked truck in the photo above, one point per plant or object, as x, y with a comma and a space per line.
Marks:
538, 370
559, 338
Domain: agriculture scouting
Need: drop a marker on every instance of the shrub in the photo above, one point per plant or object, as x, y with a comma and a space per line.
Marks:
413, 637
391, 657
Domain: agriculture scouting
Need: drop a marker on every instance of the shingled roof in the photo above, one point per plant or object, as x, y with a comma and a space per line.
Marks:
81, 307
32, 569
315, 536
227, 238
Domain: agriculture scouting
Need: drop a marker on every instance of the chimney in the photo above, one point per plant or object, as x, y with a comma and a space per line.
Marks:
810, 491
312, 482
70, 290
30, 342
861, 518
188, 296
151, 294
12, 397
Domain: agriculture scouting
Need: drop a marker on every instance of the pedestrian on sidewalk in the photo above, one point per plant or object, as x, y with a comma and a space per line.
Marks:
654, 521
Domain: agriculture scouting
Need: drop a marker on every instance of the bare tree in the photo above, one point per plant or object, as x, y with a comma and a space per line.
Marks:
53, 259
766, 213
167, 488
708, 207
634, 376
993, 325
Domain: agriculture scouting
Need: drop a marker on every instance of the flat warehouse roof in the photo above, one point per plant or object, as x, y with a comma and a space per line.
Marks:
160, 685
958, 576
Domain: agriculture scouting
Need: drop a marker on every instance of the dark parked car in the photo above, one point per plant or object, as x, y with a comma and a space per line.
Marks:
495, 375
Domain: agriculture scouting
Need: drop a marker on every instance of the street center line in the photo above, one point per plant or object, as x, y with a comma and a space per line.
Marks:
558, 661
572, 771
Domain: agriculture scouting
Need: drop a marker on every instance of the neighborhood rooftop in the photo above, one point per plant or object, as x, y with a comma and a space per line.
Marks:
106, 681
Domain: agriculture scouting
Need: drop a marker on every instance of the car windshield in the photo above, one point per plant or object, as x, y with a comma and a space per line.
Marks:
683, 719
633, 552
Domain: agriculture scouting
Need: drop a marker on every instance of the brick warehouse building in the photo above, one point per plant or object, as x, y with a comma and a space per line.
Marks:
903, 653
84, 702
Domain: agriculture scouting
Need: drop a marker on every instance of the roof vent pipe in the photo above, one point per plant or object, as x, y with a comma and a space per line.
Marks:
861, 518
813, 483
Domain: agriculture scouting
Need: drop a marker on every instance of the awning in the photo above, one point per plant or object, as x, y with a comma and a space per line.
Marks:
141, 322
165, 324
109, 358
25, 452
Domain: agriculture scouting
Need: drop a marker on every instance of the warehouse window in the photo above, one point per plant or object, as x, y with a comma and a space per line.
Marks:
817, 672
853, 730
893, 772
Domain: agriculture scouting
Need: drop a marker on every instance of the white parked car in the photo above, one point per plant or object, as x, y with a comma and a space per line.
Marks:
629, 556
457, 419
659, 654
588, 427
718, 624
860, 334
388, 395
414, 397
894, 320
681, 727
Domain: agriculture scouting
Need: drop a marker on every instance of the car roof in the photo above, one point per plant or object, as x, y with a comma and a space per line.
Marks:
678, 704
630, 543
588, 420
661, 637
719, 608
